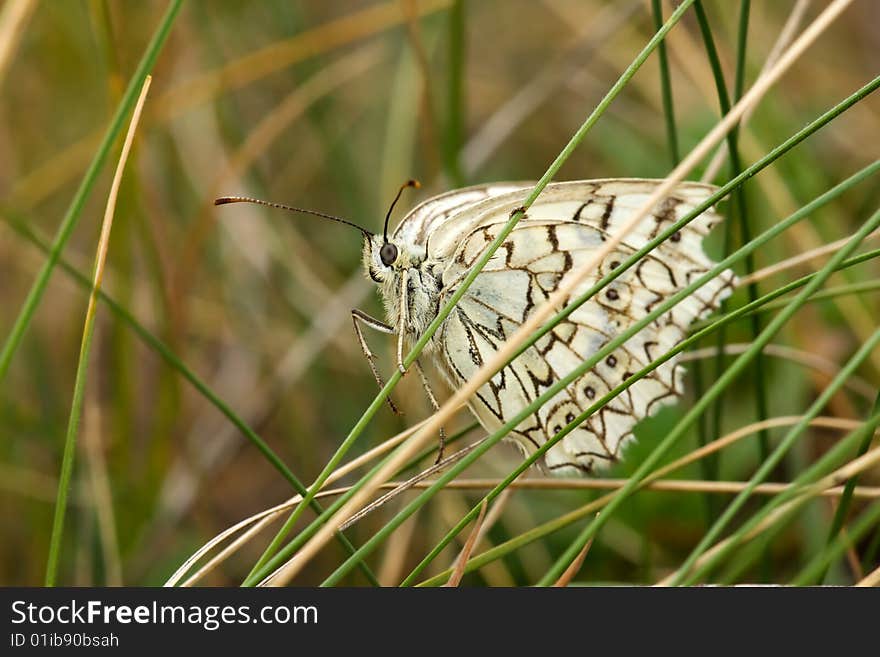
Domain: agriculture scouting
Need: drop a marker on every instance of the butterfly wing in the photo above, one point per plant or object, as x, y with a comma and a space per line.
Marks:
560, 233
442, 220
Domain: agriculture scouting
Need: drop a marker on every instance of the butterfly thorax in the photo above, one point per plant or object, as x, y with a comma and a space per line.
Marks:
410, 286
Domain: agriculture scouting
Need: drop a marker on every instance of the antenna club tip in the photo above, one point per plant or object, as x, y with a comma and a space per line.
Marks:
413, 183
223, 200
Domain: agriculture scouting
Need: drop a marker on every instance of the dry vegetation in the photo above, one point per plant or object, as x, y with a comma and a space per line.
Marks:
331, 106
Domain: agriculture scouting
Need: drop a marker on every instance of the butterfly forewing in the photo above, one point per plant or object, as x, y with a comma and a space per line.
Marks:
449, 212
559, 234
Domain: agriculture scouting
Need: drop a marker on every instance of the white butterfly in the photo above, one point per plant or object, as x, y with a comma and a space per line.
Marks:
431, 251
421, 264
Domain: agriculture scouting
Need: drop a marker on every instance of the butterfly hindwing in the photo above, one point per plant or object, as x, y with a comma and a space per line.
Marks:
560, 233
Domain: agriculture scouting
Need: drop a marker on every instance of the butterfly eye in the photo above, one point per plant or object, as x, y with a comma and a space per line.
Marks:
388, 254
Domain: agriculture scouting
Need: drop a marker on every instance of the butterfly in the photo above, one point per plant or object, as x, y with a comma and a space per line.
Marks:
430, 252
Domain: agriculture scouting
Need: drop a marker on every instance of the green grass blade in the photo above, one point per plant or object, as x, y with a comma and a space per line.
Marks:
82, 193
845, 501
871, 552
837, 453
171, 359
739, 212
751, 171
776, 324
273, 562
830, 460
443, 313
455, 100
82, 368
666, 88
449, 475
815, 570
714, 391
835, 292
710, 467
693, 340
742, 39
800, 491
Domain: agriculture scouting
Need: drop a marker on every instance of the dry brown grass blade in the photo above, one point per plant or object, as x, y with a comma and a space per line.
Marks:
409, 483
252, 526
852, 556
770, 423
695, 455
395, 557
13, 19
371, 21
494, 514
558, 299
802, 258
809, 359
871, 579
461, 561
80, 383
503, 122
110, 210
574, 567
428, 123
802, 237
263, 397
447, 511
666, 485
256, 523
264, 134
840, 476
786, 34
332, 35
267, 516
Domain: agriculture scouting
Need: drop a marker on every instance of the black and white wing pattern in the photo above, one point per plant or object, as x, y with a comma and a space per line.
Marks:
560, 232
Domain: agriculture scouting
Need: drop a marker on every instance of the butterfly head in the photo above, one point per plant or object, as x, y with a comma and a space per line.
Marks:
383, 256
383, 260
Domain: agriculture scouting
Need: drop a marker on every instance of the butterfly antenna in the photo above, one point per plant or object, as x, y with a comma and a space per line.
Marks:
408, 183
223, 200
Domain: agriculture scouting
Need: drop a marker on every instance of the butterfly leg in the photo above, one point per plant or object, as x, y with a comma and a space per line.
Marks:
358, 316
435, 406
404, 320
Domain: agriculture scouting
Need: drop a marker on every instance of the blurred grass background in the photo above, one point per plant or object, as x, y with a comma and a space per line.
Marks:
331, 106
